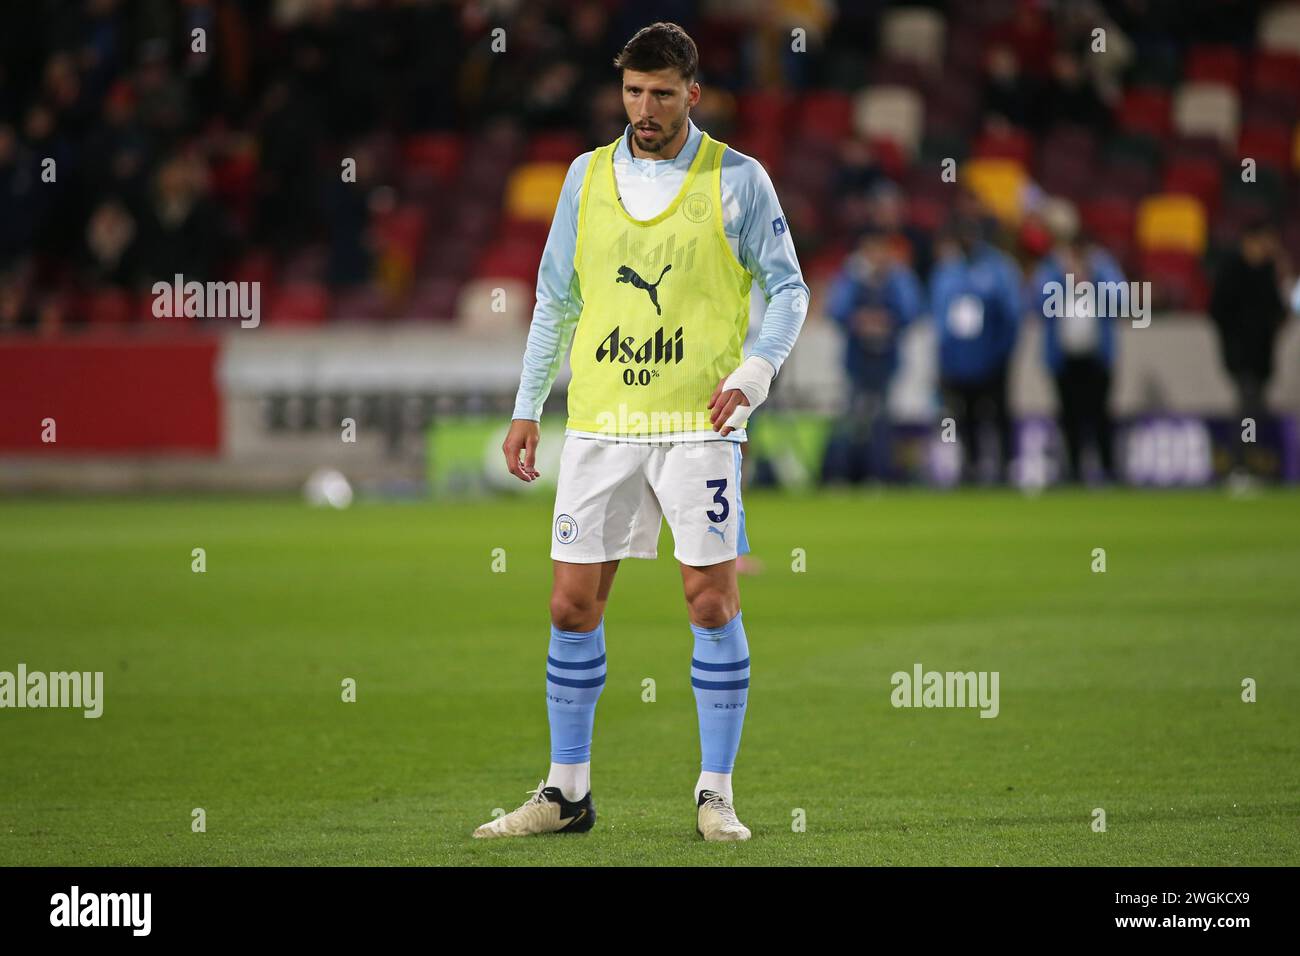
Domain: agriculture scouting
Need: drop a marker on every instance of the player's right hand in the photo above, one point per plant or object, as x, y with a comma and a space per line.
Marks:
522, 437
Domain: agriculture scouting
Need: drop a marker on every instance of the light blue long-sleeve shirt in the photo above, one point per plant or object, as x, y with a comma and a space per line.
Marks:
755, 227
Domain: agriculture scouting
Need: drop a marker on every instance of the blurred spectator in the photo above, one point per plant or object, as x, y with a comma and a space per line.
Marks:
16, 310
163, 101
1069, 96
1247, 307
589, 42
1007, 92
121, 146
1031, 36
111, 251
857, 174
291, 130
976, 304
872, 300
20, 196
887, 212
1079, 348
56, 221
181, 231
347, 207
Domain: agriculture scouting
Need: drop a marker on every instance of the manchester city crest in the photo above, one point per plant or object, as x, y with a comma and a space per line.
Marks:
697, 207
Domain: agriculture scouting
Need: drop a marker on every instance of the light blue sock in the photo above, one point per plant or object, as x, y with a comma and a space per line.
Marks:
575, 674
720, 676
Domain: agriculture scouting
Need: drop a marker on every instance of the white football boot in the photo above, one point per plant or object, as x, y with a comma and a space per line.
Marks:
546, 812
716, 818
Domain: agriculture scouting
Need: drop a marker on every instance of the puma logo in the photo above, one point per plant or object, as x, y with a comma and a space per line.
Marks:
721, 534
628, 274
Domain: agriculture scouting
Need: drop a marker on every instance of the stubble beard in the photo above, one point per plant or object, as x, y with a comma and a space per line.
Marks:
663, 137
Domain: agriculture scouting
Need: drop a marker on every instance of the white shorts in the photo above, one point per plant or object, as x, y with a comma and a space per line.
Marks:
612, 498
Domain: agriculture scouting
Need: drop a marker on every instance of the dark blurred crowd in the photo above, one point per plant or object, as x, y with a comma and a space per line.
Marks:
169, 159
131, 151
219, 159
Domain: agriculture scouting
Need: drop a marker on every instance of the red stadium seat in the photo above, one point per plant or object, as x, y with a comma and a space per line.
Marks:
1177, 279
513, 258
1267, 145
1146, 110
826, 116
435, 154
1213, 64
1273, 72
1198, 177
1005, 143
763, 109
1110, 221
1274, 80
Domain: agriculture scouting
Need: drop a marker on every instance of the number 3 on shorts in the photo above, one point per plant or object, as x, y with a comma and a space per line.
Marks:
719, 486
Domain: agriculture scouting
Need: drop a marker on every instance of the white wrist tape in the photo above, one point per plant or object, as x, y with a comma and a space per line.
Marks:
753, 378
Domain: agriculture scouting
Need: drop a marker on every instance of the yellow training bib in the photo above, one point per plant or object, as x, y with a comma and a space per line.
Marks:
665, 304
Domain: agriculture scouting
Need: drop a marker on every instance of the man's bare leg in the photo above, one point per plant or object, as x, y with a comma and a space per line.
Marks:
579, 593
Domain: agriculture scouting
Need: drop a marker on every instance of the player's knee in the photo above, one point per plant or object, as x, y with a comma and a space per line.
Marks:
574, 613
713, 607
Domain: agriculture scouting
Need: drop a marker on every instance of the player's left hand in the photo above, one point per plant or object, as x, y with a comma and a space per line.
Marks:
723, 404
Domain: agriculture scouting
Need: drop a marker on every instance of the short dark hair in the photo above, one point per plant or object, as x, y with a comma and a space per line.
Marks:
660, 46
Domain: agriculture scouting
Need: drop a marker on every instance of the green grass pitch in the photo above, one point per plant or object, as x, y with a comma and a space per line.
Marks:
1119, 690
